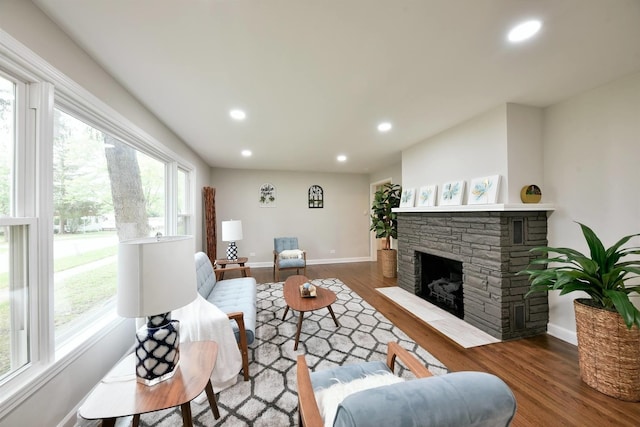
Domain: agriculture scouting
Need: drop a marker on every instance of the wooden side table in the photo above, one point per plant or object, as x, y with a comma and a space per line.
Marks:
120, 395
221, 265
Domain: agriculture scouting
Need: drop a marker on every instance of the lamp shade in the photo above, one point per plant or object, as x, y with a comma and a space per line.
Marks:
231, 231
155, 275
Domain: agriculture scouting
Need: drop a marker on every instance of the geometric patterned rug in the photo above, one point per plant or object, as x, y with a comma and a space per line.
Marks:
269, 398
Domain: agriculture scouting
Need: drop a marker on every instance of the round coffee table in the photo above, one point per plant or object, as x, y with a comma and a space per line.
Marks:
295, 301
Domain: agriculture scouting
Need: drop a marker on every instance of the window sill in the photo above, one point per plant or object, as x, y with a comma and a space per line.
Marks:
19, 388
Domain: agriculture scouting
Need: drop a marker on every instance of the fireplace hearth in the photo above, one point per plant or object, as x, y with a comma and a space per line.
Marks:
489, 247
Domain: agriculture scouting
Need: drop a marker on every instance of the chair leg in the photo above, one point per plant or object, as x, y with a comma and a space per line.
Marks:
242, 343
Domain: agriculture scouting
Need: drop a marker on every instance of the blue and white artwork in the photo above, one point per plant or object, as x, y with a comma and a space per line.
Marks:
407, 198
484, 190
452, 193
427, 195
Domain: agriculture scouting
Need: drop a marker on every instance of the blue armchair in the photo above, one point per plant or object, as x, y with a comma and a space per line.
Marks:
287, 255
355, 395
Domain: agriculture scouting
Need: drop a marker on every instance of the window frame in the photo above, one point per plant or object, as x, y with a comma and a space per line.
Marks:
46, 88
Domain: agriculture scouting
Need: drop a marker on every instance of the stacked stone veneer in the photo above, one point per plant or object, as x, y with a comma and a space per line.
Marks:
484, 242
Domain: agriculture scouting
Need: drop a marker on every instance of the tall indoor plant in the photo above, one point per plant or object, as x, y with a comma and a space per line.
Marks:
384, 222
607, 323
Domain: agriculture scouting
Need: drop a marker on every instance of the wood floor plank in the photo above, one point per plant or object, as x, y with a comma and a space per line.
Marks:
542, 371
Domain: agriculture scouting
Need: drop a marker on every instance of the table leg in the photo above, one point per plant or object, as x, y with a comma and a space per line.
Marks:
186, 415
295, 346
222, 266
334, 316
136, 420
108, 422
212, 400
286, 310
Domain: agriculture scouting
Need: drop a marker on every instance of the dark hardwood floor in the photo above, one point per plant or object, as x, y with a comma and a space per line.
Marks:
542, 371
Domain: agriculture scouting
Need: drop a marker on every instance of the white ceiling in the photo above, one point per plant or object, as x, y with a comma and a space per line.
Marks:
315, 77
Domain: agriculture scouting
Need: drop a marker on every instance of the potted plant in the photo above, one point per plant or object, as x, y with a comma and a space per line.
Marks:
607, 323
384, 222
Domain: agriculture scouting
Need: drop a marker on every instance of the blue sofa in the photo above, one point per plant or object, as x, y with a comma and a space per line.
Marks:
236, 298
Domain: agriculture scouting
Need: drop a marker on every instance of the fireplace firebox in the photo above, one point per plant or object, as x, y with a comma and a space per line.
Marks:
441, 283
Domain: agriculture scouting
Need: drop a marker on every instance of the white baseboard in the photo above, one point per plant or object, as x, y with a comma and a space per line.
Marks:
562, 333
269, 264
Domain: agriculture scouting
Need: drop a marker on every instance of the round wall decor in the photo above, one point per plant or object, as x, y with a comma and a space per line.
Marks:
530, 194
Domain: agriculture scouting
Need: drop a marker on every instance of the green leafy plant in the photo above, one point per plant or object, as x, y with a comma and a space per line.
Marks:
384, 222
602, 275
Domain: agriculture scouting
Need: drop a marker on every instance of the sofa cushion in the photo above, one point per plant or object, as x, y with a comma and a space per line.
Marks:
291, 262
237, 295
205, 275
459, 399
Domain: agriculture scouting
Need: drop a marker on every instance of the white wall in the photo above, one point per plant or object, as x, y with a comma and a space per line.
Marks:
392, 171
23, 21
524, 149
475, 148
342, 225
591, 173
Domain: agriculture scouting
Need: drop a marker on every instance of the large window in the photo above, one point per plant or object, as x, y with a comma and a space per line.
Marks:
15, 229
75, 179
104, 191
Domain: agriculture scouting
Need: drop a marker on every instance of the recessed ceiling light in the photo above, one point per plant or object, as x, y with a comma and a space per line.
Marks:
246, 153
342, 158
384, 127
524, 31
237, 114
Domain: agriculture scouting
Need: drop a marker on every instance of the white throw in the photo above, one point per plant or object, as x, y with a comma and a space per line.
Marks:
203, 321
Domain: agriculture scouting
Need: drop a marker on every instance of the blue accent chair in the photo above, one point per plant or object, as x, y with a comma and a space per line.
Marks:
458, 399
287, 255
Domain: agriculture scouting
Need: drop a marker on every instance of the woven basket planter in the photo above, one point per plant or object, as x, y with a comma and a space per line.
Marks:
389, 261
609, 353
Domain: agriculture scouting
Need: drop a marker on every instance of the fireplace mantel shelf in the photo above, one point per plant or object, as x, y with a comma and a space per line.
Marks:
500, 207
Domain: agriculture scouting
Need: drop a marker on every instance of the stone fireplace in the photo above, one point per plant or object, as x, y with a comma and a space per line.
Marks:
490, 247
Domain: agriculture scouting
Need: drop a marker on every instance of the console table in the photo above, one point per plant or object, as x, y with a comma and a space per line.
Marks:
120, 395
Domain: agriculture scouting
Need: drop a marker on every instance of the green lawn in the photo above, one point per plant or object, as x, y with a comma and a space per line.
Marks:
74, 295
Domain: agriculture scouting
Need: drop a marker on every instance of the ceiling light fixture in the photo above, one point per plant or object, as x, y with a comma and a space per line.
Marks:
384, 127
246, 153
237, 114
524, 31
342, 158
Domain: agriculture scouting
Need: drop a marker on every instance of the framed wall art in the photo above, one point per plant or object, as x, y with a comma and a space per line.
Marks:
316, 197
267, 196
407, 197
427, 195
484, 190
452, 193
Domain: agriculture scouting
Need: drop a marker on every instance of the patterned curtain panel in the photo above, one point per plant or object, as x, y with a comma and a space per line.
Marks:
209, 194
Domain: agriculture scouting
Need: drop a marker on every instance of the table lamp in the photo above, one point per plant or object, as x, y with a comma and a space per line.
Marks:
232, 232
155, 276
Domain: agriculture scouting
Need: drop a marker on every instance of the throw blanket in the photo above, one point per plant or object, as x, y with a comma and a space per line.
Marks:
290, 254
202, 321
